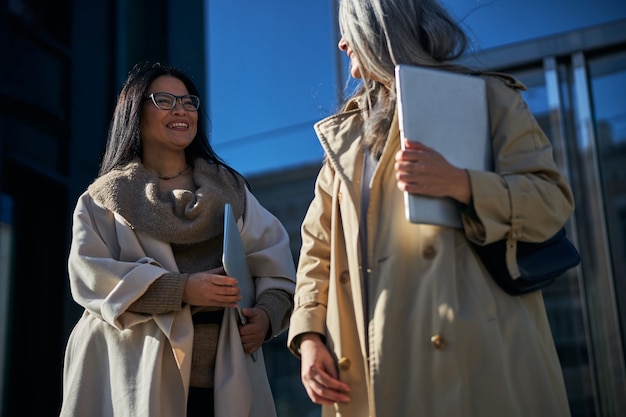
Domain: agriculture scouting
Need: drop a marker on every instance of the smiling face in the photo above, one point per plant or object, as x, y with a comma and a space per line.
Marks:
167, 130
357, 70
355, 66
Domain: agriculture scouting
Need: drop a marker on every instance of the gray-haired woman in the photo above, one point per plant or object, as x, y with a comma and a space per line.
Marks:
399, 319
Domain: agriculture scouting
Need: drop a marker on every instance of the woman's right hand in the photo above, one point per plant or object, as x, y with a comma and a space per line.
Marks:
212, 289
319, 374
422, 170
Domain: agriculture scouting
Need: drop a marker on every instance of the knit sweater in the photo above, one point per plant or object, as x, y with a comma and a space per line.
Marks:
193, 224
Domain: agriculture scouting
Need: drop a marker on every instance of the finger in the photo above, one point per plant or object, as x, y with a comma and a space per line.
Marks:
233, 293
413, 166
224, 280
327, 387
331, 383
325, 395
407, 177
408, 154
414, 144
316, 398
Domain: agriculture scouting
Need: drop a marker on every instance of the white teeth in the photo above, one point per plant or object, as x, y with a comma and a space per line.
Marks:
179, 125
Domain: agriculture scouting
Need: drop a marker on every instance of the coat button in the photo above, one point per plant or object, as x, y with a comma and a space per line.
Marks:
344, 364
429, 252
438, 342
344, 277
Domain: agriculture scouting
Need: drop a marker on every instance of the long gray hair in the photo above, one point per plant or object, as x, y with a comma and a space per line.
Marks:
385, 33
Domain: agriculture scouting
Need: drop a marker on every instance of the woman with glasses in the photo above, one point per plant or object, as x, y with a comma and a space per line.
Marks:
159, 335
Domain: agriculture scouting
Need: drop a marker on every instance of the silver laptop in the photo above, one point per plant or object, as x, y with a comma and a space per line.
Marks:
235, 263
448, 112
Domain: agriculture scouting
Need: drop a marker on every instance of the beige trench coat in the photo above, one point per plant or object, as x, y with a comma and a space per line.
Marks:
431, 334
123, 364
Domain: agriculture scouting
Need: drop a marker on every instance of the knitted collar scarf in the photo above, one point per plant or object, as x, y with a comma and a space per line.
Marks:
179, 216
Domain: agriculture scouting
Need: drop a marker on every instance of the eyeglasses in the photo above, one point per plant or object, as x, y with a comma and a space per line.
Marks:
167, 101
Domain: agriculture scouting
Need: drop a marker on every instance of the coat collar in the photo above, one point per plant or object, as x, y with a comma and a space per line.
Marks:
340, 137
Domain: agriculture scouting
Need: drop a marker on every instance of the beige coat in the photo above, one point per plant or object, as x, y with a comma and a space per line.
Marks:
436, 336
123, 364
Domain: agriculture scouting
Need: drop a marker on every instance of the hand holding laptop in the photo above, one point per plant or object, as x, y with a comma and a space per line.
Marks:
448, 112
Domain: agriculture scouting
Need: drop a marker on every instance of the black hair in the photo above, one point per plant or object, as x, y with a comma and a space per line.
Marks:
124, 138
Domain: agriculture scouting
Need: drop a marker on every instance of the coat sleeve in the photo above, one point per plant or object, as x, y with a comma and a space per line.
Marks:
311, 298
527, 198
104, 278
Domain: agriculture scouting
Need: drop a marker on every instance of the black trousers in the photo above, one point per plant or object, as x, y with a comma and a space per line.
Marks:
200, 402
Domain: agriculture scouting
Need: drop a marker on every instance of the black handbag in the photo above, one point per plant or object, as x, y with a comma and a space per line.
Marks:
539, 263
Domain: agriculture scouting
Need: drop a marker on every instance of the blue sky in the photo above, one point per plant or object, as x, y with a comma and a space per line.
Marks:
274, 69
